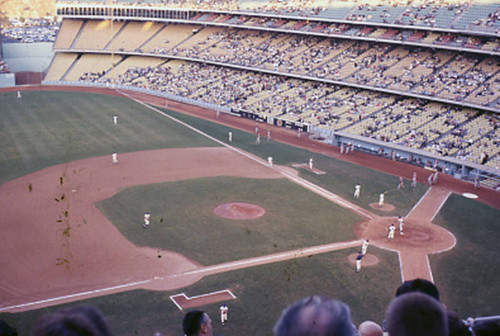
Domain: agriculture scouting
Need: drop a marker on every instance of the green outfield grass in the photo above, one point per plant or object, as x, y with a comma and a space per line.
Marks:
47, 128
468, 275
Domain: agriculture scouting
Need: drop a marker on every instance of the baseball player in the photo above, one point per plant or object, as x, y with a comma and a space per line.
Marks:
230, 136
401, 184
223, 313
268, 135
401, 224
341, 148
381, 198
257, 141
435, 178
429, 179
391, 230
358, 261
256, 128
364, 246
114, 158
310, 164
270, 161
357, 190
147, 217
19, 95
115, 120
414, 180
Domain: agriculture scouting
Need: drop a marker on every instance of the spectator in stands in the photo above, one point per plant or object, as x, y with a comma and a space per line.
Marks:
415, 314
75, 321
197, 323
370, 328
418, 285
315, 315
486, 327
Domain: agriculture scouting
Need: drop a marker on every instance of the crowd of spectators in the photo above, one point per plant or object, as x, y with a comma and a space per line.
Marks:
4, 68
434, 73
416, 310
31, 30
417, 123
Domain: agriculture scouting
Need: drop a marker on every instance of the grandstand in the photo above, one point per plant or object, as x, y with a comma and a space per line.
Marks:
407, 75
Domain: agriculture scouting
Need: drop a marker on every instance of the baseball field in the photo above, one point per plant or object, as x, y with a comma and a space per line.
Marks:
225, 226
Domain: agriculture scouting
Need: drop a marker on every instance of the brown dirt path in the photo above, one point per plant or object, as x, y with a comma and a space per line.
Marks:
55, 242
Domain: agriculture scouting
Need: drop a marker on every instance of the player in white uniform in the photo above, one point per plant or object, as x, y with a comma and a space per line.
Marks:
310, 164
114, 158
270, 161
19, 95
364, 246
358, 262
381, 200
147, 217
391, 230
230, 136
223, 313
257, 141
435, 178
401, 184
401, 224
414, 180
357, 190
115, 120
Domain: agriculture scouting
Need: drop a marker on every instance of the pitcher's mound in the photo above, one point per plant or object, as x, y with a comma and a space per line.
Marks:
239, 211
384, 207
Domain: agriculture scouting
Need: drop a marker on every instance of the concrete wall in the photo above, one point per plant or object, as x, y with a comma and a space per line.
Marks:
28, 57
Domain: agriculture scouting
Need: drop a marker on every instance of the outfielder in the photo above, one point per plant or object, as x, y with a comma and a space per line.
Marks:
230, 136
357, 190
270, 161
310, 164
115, 120
257, 141
114, 158
414, 180
223, 313
401, 184
147, 217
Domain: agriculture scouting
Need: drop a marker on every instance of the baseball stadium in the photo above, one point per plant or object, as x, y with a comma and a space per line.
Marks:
178, 155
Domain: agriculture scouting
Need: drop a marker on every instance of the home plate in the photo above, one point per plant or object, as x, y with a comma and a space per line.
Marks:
469, 195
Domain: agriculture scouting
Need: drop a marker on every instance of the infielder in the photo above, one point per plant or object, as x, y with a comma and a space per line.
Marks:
381, 200
114, 158
310, 164
391, 230
223, 313
357, 190
270, 161
401, 224
147, 217
364, 246
358, 262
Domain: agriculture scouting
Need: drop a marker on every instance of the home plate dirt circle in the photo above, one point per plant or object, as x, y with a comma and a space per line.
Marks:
239, 211
368, 259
